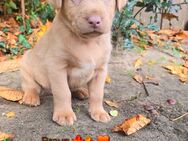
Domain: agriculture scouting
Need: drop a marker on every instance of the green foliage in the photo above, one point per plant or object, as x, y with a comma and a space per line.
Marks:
122, 25
125, 20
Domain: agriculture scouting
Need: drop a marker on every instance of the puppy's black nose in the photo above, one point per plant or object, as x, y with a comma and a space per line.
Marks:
94, 21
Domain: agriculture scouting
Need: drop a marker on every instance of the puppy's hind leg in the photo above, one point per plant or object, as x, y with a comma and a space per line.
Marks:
31, 89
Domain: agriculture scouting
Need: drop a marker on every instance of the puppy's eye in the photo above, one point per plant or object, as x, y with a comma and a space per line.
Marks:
76, 1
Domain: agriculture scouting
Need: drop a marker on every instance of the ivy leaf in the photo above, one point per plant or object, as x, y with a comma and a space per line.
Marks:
12, 5
23, 41
2, 44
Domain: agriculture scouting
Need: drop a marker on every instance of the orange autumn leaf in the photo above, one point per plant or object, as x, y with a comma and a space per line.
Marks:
11, 94
132, 125
138, 78
4, 136
186, 63
78, 138
103, 138
182, 35
10, 65
88, 138
11, 38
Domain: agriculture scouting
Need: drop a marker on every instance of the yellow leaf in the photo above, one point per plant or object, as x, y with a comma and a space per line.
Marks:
4, 136
10, 65
11, 94
10, 114
111, 103
132, 125
137, 63
108, 79
43, 29
179, 71
152, 62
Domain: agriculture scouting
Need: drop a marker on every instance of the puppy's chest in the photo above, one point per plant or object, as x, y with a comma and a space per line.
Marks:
85, 63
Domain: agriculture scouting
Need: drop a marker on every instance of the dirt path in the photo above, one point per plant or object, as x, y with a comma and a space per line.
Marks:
31, 124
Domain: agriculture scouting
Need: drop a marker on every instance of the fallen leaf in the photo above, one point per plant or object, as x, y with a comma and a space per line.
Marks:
111, 103
11, 38
149, 77
4, 136
11, 94
114, 113
88, 138
10, 65
178, 70
10, 114
152, 62
132, 125
137, 63
43, 29
138, 78
186, 63
103, 138
108, 79
78, 138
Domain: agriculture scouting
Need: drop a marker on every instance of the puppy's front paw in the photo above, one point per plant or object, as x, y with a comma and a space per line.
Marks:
31, 99
64, 118
100, 115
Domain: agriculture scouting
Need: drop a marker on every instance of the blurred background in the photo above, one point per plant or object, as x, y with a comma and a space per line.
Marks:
23, 22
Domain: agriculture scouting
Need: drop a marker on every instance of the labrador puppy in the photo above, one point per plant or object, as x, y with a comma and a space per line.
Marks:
71, 56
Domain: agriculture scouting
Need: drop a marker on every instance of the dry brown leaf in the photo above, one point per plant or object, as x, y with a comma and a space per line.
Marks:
11, 38
149, 77
179, 71
4, 136
132, 125
10, 114
138, 78
138, 63
11, 94
186, 63
182, 35
10, 65
111, 103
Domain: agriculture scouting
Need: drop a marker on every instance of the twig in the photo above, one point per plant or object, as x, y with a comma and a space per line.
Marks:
139, 11
145, 88
175, 119
179, 3
23, 11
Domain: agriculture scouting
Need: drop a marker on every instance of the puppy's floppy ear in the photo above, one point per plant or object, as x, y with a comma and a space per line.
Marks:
56, 3
120, 4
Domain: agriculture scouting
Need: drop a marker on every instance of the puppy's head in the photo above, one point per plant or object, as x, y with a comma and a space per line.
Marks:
88, 18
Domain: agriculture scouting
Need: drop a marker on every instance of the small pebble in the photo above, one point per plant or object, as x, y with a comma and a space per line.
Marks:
171, 101
154, 112
149, 107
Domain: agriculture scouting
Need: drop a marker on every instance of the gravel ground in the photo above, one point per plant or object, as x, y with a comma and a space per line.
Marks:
31, 124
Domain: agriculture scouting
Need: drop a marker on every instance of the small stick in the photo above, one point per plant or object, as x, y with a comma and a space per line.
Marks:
145, 88
23, 11
180, 117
